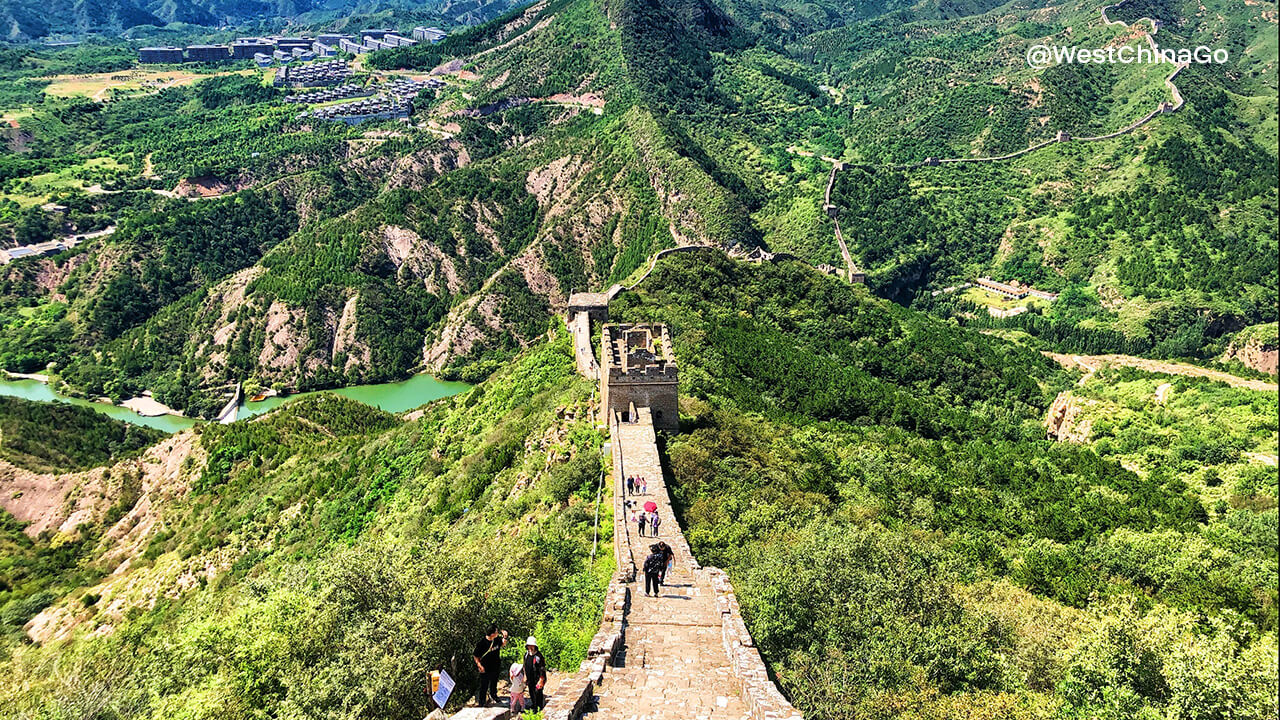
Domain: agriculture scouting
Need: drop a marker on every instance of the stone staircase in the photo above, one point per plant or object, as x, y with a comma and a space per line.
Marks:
673, 665
683, 655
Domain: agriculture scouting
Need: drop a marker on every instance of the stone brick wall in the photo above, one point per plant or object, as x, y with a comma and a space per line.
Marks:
758, 690
641, 453
634, 451
576, 692
659, 397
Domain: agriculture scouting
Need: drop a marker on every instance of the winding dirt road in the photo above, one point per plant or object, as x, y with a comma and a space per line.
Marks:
1091, 363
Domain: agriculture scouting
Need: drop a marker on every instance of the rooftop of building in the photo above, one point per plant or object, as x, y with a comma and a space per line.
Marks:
588, 300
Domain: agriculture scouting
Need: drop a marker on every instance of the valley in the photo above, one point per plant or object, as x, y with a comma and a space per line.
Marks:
968, 400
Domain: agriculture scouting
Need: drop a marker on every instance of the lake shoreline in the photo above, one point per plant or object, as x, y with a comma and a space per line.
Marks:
395, 397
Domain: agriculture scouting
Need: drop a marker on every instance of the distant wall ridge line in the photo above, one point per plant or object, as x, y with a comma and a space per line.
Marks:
1163, 107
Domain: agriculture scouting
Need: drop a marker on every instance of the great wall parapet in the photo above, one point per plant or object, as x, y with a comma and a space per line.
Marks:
648, 374
759, 691
637, 455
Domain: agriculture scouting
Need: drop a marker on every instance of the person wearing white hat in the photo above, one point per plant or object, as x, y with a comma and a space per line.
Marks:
535, 673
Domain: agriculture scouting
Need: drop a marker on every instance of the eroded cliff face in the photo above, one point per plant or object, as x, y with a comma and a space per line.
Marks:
126, 500
63, 502
1259, 355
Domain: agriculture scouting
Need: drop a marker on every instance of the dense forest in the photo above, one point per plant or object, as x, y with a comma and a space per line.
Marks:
937, 557
48, 437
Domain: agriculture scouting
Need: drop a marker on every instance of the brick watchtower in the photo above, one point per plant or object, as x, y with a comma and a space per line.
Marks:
640, 370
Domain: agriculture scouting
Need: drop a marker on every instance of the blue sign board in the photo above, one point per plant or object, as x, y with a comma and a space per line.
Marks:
442, 693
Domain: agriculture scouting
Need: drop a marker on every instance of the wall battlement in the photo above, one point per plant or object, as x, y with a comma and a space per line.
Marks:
639, 369
647, 374
681, 656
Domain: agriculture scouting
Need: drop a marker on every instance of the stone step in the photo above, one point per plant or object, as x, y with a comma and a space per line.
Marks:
479, 713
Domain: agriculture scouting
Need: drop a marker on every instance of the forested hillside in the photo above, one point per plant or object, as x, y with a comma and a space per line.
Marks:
573, 138
48, 437
903, 539
934, 556
320, 559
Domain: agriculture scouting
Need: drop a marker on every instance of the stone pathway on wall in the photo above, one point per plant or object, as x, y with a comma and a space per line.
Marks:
674, 666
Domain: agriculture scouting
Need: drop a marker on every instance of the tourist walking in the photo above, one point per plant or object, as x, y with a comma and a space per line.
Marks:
487, 655
644, 518
653, 571
644, 486
654, 522
670, 556
516, 674
631, 486
535, 674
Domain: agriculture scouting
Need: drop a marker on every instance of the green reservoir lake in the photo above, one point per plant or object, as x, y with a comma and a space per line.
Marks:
36, 390
392, 397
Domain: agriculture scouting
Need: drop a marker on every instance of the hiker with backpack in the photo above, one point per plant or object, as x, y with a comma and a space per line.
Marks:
670, 558
653, 571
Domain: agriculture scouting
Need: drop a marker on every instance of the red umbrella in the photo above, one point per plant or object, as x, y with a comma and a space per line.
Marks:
650, 506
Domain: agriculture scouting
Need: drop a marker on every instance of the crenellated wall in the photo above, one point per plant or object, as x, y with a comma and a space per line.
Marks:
577, 692
634, 452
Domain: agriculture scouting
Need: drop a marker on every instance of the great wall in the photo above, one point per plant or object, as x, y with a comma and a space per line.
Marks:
658, 657
687, 653
851, 270
1061, 136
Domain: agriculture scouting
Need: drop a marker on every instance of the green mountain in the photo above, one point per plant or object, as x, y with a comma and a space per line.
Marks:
24, 19
328, 554
28, 19
358, 256
903, 538
905, 542
54, 437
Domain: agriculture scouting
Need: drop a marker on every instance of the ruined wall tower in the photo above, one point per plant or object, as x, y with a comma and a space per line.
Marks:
639, 368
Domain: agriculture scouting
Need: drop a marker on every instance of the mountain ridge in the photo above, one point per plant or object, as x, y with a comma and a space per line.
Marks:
446, 245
